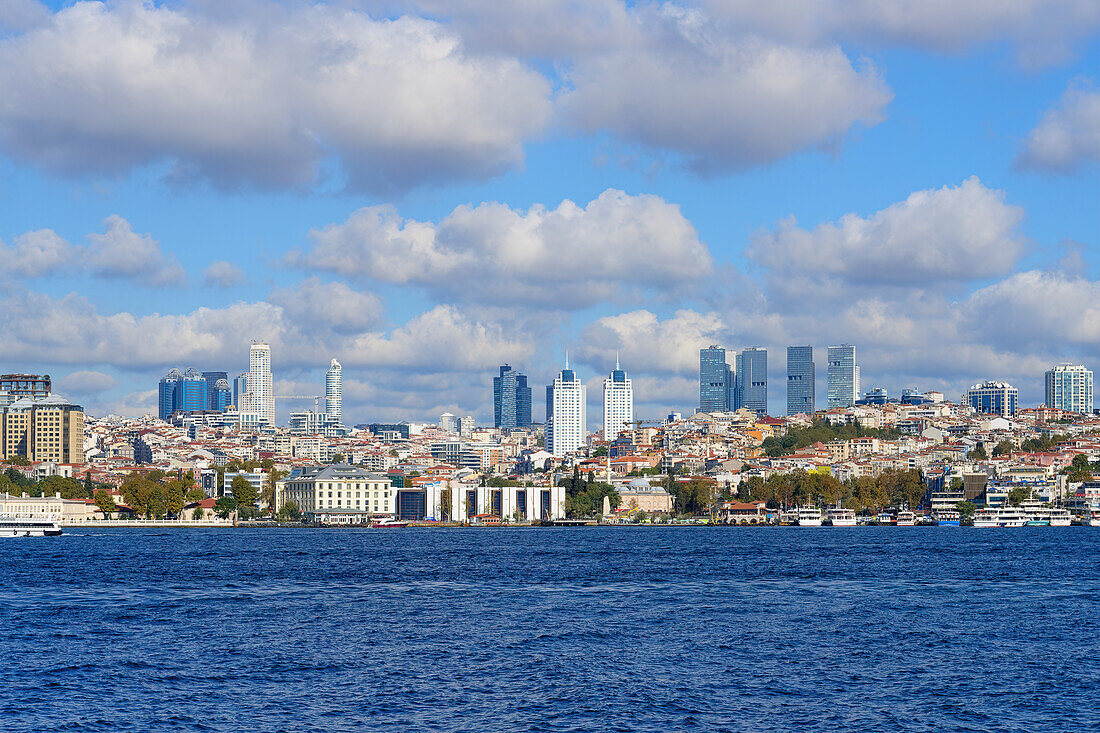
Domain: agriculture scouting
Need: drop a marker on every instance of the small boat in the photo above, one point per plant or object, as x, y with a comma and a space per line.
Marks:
1003, 517
906, 518
24, 527
388, 523
841, 518
809, 516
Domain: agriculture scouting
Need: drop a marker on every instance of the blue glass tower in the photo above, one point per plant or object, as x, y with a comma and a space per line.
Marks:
211, 389
801, 392
511, 399
843, 376
715, 383
166, 394
191, 392
752, 381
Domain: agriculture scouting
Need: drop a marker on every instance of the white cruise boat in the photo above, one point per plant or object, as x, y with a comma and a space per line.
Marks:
28, 527
842, 518
906, 518
809, 516
1001, 517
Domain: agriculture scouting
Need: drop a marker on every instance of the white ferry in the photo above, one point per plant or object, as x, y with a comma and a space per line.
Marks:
947, 518
842, 518
1048, 517
906, 518
809, 516
1003, 517
26, 527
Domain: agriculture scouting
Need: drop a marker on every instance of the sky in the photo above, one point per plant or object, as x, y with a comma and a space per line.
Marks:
425, 190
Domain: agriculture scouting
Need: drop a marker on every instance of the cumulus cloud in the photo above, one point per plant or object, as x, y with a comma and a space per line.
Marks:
1068, 136
18, 15
569, 255
332, 306
647, 343
36, 254
952, 234
222, 274
122, 253
724, 102
260, 100
85, 382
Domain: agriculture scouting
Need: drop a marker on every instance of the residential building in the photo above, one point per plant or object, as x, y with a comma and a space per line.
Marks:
618, 403
801, 389
466, 426
449, 423
566, 423
993, 398
843, 376
46, 429
751, 380
511, 399
35, 386
334, 392
338, 494
715, 380
1069, 388
261, 388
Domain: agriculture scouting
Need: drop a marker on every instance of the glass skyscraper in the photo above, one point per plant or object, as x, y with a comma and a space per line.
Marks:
843, 376
511, 399
993, 398
1069, 388
751, 379
801, 391
715, 383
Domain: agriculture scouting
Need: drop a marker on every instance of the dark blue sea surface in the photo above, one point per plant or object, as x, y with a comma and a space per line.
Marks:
620, 629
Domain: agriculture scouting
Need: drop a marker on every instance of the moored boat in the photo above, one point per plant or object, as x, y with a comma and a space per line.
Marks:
28, 527
906, 518
388, 523
841, 518
999, 517
809, 516
947, 518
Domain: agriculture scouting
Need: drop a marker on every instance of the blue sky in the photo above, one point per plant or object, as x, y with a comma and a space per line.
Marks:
936, 290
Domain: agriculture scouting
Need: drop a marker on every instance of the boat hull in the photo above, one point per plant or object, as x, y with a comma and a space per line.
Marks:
809, 522
948, 523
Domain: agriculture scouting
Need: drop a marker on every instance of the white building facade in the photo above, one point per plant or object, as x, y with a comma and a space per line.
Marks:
334, 392
1069, 388
566, 419
338, 494
618, 403
261, 388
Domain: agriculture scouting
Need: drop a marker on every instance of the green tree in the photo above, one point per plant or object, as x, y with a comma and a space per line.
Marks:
225, 506
89, 488
337, 457
1003, 448
137, 491
290, 512
978, 453
69, 488
1018, 495
198, 513
243, 491
267, 496
104, 502
175, 497
600, 451
966, 511
195, 495
17, 460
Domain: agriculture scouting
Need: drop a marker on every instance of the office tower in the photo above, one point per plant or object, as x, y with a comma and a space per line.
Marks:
843, 376
449, 423
618, 403
166, 393
511, 399
801, 391
46, 429
334, 392
993, 398
715, 383
877, 396
565, 413
1069, 388
751, 380
240, 392
221, 396
212, 387
35, 386
191, 393
261, 387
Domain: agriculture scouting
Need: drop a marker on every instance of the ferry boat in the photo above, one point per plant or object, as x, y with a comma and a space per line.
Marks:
1003, 517
947, 518
1048, 517
842, 518
388, 523
906, 518
27, 527
809, 516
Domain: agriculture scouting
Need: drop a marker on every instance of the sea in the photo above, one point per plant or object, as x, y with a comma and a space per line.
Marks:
539, 629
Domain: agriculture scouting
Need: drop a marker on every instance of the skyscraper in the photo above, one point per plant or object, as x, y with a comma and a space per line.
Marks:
843, 376
618, 403
334, 392
993, 398
511, 399
240, 392
1069, 387
565, 413
166, 393
751, 379
715, 383
801, 392
191, 391
211, 387
221, 396
261, 387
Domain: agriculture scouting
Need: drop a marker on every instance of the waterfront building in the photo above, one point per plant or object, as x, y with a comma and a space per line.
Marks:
261, 388
993, 398
1069, 388
618, 403
337, 494
516, 503
46, 429
511, 399
449, 423
715, 380
566, 423
801, 389
35, 386
334, 392
751, 380
843, 376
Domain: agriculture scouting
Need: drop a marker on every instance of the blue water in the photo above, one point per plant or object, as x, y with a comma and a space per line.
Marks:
620, 629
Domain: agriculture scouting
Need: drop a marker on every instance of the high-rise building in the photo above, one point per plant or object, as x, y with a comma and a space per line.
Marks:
511, 399
240, 392
566, 422
47, 429
212, 398
466, 426
191, 393
751, 380
715, 380
801, 391
618, 403
1069, 388
993, 398
334, 392
221, 396
166, 393
261, 387
449, 423
843, 376
35, 386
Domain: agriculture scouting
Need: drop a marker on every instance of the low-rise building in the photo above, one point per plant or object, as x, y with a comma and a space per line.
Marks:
338, 494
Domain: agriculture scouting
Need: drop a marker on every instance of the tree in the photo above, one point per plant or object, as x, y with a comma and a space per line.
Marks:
978, 453
445, 502
104, 502
69, 488
195, 495
225, 506
965, 510
274, 476
337, 457
18, 460
243, 491
89, 488
290, 512
1003, 448
1079, 469
600, 451
1018, 496
174, 499
198, 513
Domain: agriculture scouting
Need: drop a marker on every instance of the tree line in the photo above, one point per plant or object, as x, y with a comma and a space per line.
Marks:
821, 431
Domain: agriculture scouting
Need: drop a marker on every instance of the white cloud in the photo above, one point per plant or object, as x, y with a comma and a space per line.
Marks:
1068, 136
260, 100
222, 274
84, 382
648, 344
36, 254
120, 252
318, 307
724, 101
18, 15
569, 255
952, 234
